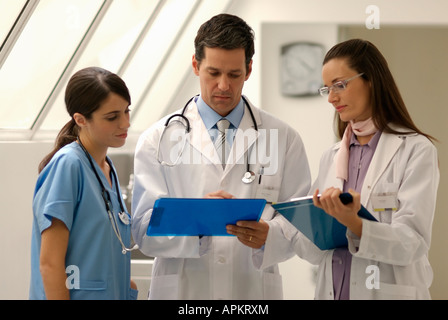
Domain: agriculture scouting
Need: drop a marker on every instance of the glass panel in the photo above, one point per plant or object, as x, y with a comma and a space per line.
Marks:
9, 11
153, 49
108, 48
40, 55
176, 82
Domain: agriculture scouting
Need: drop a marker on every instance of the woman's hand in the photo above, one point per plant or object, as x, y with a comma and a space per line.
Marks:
346, 214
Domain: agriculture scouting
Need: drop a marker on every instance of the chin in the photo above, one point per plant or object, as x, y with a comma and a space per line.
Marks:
117, 144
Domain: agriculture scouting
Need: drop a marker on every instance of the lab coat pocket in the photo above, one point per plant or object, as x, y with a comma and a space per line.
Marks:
268, 188
272, 286
388, 291
164, 287
384, 200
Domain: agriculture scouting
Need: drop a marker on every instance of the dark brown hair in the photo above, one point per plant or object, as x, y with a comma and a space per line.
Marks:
85, 92
387, 104
225, 31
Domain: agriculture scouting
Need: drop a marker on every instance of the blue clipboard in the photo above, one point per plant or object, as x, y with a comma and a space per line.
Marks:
201, 217
318, 226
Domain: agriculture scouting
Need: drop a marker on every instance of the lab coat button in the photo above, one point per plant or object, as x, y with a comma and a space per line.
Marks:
222, 260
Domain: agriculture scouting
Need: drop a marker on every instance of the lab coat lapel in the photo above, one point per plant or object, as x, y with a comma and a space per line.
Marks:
388, 145
331, 180
200, 138
245, 137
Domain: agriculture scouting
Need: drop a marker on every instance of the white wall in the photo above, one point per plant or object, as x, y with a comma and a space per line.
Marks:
18, 174
311, 116
18, 161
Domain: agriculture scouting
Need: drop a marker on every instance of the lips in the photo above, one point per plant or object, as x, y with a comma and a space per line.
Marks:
339, 108
222, 97
123, 136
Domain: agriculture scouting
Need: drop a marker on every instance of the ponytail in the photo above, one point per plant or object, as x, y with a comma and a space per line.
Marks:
67, 135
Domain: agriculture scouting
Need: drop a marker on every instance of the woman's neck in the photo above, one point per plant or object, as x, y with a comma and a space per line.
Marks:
364, 140
97, 153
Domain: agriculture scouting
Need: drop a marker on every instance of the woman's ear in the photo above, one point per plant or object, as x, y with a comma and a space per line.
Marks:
80, 120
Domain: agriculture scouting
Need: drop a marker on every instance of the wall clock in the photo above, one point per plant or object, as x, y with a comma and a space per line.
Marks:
301, 68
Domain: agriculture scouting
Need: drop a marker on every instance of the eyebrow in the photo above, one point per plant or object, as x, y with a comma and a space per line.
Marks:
337, 79
112, 112
218, 70
115, 112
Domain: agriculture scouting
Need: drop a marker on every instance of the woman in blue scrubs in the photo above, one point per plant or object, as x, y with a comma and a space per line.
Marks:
78, 250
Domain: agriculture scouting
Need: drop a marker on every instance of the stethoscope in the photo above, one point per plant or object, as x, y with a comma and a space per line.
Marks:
124, 217
248, 177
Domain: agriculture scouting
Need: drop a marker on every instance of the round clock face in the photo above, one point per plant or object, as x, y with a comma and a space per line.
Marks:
301, 68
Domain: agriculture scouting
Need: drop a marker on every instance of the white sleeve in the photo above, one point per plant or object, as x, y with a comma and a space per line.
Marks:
149, 185
296, 180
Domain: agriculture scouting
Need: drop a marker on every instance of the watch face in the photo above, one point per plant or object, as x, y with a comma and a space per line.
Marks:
301, 68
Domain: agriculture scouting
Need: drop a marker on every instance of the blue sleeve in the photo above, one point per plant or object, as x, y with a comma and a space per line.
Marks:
57, 190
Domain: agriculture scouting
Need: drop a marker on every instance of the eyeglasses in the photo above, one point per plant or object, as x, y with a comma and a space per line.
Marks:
337, 86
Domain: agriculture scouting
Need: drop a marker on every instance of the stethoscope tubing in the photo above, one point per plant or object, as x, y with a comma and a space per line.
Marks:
248, 177
106, 197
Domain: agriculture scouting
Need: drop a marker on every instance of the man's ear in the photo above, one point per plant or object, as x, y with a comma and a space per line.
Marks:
195, 65
80, 120
249, 70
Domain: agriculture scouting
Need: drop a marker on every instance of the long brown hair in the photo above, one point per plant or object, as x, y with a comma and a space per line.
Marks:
387, 104
85, 92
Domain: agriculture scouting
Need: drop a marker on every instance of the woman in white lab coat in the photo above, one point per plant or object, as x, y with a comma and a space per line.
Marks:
390, 167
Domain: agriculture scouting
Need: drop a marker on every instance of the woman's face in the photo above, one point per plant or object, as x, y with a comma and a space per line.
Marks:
109, 124
352, 103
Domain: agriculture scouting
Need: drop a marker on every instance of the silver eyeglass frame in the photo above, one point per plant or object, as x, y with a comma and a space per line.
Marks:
338, 86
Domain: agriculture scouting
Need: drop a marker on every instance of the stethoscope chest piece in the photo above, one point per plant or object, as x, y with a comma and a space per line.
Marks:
248, 177
124, 218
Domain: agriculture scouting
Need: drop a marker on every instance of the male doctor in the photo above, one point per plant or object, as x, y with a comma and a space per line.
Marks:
222, 267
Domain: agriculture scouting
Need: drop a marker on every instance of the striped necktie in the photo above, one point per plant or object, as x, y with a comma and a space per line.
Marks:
221, 145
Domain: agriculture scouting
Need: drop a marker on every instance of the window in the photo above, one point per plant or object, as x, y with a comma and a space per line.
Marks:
109, 48
9, 12
149, 43
39, 56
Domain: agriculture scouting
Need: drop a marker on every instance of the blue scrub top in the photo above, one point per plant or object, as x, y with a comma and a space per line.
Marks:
68, 190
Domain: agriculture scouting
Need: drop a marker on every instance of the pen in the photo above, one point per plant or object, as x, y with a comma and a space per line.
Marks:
261, 174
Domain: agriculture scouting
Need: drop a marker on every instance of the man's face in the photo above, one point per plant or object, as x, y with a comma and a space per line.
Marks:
222, 74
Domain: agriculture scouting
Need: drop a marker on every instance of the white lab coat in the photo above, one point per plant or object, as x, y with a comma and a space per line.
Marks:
396, 248
216, 267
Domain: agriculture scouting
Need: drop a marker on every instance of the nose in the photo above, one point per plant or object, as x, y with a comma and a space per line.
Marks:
332, 96
125, 123
223, 83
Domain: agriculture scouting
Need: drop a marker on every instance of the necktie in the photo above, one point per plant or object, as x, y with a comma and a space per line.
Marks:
221, 145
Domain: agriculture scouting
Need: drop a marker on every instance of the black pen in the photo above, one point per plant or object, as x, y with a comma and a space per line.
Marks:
261, 173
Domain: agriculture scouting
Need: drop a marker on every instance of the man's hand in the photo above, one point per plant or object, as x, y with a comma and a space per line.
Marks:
250, 233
